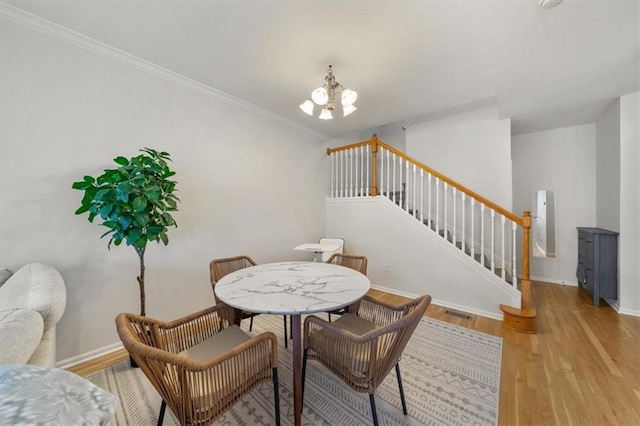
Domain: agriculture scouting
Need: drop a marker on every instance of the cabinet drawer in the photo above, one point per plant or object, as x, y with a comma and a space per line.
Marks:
589, 275
585, 245
597, 270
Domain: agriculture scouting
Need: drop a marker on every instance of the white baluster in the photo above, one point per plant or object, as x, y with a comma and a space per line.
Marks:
472, 237
504, 273
356, 192
444, 195
437, 205
415, 215
350, 172
406, 189
394, 178
365, 161
388, 173
338, 173
464, 208
482, 234
368, 184
382, 170
401, 173
355, 171
361, 174
421, 195
514, 228
338, 154
429, 201
493, 252
362, 160
332, 183
455, 217
362, 166
344, 174
347, 159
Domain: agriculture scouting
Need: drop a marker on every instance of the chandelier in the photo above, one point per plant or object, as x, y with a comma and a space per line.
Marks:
325, 96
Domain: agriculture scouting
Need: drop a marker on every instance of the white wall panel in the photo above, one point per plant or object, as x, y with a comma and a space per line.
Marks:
608, 169
629, 240
562, 160
473, 148
247, 184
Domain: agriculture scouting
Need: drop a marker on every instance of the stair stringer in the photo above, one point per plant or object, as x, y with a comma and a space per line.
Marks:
420, 260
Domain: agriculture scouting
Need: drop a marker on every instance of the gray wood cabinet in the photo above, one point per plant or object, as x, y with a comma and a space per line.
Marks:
598, 263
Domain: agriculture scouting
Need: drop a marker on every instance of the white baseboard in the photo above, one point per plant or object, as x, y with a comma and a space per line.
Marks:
87, 356
632, 312
467, 309
554, 281
624, 311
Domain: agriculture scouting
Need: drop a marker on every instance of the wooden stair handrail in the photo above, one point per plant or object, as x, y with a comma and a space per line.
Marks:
375, 142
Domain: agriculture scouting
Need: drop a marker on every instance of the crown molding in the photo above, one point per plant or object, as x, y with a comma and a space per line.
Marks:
43, 26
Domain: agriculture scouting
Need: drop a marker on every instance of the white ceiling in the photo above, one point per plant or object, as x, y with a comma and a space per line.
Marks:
545, 68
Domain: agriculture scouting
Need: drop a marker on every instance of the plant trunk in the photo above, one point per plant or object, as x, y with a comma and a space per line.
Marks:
140, 278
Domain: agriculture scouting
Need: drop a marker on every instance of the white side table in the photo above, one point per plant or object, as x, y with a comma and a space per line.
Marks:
319, 248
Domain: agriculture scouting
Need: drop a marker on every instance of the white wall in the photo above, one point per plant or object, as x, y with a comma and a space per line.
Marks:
562, 160
420, 261
629, 239
391, 134
247, 184
472, 147
608, 169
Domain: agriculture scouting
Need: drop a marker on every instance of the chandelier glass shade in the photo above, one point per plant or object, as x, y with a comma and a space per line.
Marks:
325, 96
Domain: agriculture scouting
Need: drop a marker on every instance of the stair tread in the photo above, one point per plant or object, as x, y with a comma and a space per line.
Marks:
524, 313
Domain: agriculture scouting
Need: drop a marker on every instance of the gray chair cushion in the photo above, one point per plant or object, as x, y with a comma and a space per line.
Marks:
227, 339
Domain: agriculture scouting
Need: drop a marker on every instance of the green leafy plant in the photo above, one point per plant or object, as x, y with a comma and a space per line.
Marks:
134, 202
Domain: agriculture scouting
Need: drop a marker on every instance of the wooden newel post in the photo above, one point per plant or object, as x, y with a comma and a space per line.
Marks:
526, 228
374, 165
523, 319
525, 288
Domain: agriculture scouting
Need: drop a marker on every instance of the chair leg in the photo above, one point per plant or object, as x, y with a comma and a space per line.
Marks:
304, 371
163, 408
404, 403
276, 395
373, 409
290, 326
285, 332
251, 324
329, 316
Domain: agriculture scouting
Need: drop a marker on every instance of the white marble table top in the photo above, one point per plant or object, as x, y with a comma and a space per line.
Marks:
292, 288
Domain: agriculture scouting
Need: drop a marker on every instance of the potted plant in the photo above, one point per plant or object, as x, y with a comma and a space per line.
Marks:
134, 202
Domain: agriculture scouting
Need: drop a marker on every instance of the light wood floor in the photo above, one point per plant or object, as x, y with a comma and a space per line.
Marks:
582, 367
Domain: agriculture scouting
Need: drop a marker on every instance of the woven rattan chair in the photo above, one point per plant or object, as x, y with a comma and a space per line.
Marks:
359, 263
218, 268
201, 365
362, 346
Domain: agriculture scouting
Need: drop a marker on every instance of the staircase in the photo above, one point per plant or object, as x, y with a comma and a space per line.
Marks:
475, 226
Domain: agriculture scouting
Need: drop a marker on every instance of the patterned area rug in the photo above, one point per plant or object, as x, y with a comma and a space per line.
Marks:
451, 376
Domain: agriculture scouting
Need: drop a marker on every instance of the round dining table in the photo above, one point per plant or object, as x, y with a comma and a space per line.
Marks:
292, 288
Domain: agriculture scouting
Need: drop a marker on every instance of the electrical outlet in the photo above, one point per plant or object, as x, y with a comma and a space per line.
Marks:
387, 267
